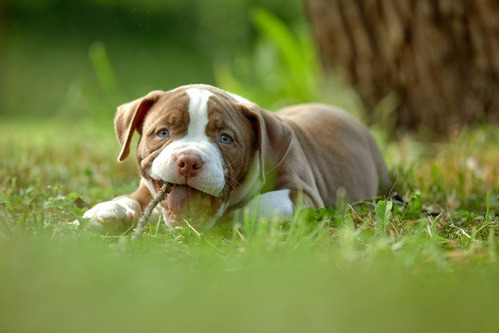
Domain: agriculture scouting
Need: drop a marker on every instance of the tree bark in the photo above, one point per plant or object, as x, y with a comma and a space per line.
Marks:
439, 56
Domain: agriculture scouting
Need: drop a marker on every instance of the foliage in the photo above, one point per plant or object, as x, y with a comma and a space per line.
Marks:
150, 45
282, 70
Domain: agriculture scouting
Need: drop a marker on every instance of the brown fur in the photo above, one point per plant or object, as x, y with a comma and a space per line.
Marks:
311, 149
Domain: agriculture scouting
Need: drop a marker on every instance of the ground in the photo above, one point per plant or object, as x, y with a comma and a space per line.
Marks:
425, 260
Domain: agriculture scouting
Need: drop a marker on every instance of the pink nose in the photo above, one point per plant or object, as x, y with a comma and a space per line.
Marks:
189, 164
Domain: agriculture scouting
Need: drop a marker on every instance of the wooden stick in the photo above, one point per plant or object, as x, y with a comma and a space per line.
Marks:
143, 221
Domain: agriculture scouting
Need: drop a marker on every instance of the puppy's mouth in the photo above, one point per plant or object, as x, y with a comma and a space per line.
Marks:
184, 201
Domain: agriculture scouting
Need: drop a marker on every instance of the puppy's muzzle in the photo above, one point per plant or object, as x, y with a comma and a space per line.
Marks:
189, 164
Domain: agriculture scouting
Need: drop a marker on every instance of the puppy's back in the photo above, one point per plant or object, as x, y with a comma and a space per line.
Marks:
340, 150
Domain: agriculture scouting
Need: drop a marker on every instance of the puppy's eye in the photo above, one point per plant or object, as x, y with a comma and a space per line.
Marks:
164, 134
225, 139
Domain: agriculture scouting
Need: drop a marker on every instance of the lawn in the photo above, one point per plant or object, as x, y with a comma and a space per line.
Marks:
424, 261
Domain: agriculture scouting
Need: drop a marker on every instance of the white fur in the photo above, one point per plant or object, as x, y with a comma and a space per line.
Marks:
113, 215
198, 113
211, 177
238, 98
271, 205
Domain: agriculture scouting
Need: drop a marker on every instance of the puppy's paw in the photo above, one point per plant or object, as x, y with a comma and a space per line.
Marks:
114, 215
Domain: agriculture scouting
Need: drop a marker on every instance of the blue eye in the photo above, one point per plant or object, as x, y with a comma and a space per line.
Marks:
225, 139
164, 134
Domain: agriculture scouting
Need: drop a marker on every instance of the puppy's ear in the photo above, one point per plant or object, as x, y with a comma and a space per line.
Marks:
129, 116
274, 137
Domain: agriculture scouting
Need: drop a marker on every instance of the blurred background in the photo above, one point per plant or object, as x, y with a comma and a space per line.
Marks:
403, 64
80, 59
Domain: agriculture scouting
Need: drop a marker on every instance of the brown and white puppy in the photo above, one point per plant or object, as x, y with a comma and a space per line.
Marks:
223, 153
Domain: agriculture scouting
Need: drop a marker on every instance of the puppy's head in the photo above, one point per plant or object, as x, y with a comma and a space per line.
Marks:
213, 146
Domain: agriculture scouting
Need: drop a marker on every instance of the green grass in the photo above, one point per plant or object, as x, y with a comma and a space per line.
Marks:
430, 265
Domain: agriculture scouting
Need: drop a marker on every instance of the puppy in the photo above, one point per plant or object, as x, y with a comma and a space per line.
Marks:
224, 153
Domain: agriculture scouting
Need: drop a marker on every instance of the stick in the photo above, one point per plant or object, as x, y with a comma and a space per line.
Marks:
143, 221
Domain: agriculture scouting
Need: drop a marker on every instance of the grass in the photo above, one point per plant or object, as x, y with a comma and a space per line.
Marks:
427, 265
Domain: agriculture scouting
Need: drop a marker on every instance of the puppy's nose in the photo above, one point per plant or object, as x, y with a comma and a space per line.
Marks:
189, 164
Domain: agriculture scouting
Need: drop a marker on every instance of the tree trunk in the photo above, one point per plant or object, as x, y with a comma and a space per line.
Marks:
439, 56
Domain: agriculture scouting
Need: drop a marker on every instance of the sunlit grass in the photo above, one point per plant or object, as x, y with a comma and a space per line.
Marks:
427, 264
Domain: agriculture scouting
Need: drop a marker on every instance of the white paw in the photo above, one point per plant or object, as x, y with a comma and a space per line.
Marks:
114, 215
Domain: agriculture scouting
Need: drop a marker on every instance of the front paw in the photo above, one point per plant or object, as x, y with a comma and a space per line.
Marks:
115, 215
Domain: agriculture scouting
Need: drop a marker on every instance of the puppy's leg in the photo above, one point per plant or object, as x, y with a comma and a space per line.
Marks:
121, 212
272, 205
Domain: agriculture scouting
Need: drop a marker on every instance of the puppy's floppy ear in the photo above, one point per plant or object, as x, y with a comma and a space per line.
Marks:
274, 137
129, 116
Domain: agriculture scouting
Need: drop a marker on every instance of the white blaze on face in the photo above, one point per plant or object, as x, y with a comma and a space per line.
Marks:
210, 179
198, 113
